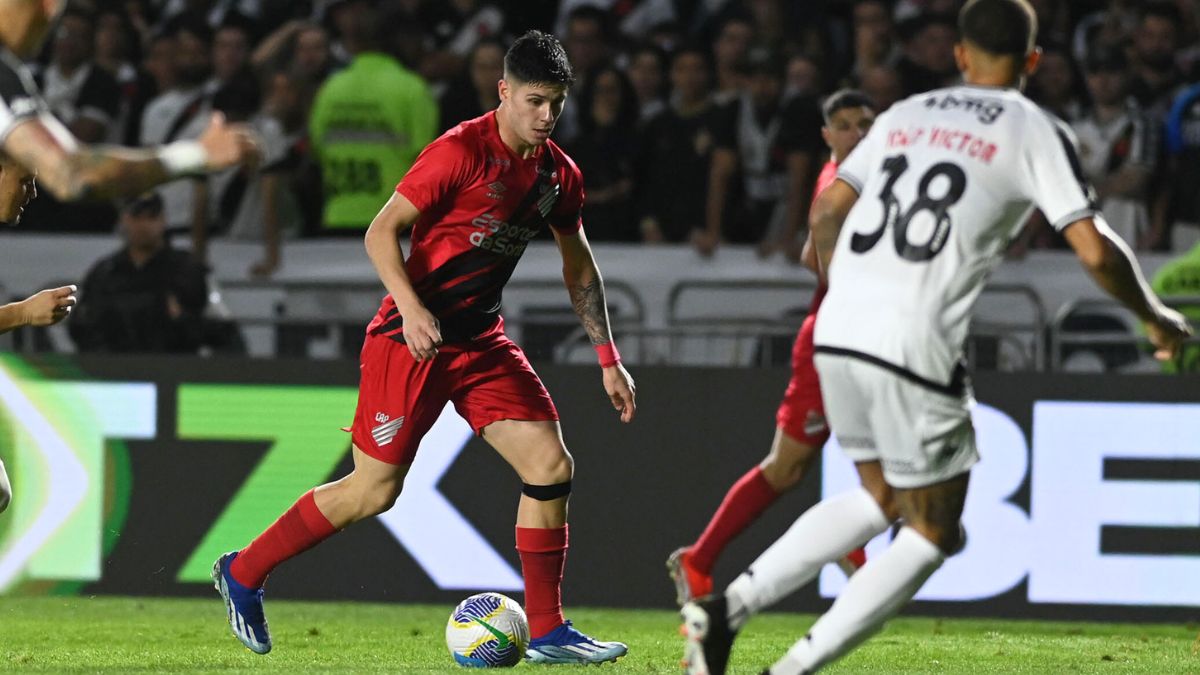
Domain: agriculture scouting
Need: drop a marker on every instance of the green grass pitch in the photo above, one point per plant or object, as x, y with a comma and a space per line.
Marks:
125, 635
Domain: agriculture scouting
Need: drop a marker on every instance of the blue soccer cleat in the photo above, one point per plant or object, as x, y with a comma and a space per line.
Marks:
244, 605
567, 645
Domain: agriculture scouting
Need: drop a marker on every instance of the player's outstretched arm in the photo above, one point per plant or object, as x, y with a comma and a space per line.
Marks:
1112, 265
421, 330
586, 287
70, 170
825, 221
43, 308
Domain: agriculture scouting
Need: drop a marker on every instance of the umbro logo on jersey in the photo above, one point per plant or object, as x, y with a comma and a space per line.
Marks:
499, 161
384, 433
496, 190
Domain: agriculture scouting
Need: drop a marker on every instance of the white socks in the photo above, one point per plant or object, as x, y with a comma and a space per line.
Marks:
824, 533
874, 594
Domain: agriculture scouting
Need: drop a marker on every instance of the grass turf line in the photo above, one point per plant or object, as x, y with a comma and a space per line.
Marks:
122, 635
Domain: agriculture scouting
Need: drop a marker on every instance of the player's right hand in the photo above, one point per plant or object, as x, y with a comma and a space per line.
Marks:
1167, 331
422, 333
228, 144
48, 307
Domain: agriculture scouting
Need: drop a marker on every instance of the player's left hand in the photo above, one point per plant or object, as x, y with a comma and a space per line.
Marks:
1167, 332
621, 391
229, 144
48, 307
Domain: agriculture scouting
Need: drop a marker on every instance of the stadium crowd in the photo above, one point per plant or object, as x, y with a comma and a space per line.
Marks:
692, 120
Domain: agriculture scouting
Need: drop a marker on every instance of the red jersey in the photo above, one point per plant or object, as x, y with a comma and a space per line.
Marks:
480, 205
825, 179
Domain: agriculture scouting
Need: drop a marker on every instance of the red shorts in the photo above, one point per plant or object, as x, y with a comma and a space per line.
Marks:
400, 398
802, 413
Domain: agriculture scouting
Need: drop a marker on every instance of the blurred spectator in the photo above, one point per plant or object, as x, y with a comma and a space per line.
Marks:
115, 53
182, 112
87, 100
456, 27
1057, 85
1177, 211
674, 152
250, 203
927, 62
212, 12
773, 145
1180, 279
874, 37
729, 49
608, 109
646, 74
477, 93
588, 43
299, 45
635, 20
146, 297
82, 96
368, 123
231, 49
1118, 146
1156, 76
882, 84
1109, 27
339, 16
803, 77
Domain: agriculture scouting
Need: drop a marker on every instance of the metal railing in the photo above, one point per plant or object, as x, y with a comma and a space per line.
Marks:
1065, 340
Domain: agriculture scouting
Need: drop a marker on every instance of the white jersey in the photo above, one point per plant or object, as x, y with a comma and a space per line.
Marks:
945, 179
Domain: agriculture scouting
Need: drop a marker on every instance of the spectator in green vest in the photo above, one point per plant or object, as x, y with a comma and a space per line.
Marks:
368, 124
1180, 278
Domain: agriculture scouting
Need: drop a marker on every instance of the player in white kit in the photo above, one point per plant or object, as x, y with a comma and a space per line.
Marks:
920, 214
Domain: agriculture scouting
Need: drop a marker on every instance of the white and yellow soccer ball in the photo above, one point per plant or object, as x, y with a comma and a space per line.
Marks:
488, 630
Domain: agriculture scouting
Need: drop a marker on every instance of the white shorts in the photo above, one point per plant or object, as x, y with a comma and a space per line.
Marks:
920, 435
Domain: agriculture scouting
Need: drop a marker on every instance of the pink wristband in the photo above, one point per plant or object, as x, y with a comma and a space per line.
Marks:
608, 354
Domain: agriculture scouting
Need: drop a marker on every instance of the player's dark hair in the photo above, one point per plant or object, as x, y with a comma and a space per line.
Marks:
843, 99
999, 27
538, 58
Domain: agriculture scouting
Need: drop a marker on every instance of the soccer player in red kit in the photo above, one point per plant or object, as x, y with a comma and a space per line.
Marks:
800, 430
475, 198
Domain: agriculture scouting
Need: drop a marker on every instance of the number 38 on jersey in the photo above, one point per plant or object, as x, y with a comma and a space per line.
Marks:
921, 225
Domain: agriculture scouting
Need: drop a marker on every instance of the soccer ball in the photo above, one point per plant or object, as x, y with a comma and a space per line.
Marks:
488, 630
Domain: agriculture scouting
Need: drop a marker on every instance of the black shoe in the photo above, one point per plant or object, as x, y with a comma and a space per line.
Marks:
709, 637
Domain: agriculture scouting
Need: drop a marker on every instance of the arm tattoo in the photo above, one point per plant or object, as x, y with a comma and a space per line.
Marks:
106, 172
588, 300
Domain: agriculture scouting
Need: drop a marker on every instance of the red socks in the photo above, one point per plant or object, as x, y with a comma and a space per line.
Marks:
543, 554
744, 503
300, 528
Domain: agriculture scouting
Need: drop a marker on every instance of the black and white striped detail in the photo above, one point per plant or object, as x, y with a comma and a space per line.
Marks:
386, 432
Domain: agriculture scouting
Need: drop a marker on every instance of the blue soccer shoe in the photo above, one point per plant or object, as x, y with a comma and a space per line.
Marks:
244, 605
567, 645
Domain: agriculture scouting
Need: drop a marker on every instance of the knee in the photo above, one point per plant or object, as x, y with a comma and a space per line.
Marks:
377, 497
949, 537
559, 468
886, 499
783, 473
